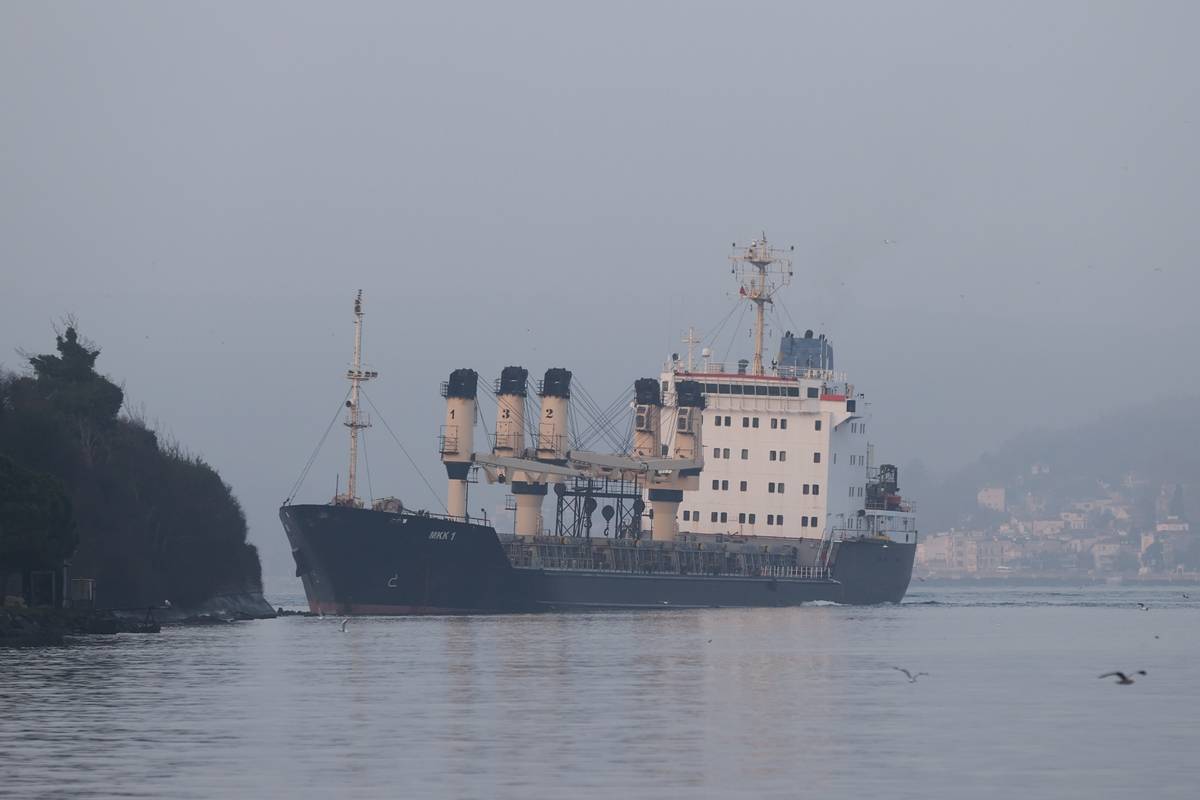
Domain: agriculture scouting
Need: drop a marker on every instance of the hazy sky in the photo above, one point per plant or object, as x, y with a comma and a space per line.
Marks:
205, 186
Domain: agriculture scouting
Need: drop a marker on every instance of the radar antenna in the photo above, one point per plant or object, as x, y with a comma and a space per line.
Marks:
355, 421
761, 270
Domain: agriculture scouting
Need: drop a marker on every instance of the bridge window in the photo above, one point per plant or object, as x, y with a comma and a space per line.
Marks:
724, 517
754, 422
770, 519
793, 391
742, 518
773, 391
816, 425
717, 420
751, 519
813, 392
716, 485
687, 516
714, 516
727, 421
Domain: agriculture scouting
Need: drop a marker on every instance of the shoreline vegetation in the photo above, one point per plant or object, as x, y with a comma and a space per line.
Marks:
101, 519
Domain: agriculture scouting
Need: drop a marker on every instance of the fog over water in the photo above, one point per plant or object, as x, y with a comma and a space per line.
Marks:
993, 209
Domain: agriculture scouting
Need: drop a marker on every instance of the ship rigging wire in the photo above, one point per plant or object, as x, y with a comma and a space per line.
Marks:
316, 451
403, 449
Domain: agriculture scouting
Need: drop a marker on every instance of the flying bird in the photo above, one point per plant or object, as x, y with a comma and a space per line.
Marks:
345, 622
1143, 607
1186, 596
1122, 678
911, 677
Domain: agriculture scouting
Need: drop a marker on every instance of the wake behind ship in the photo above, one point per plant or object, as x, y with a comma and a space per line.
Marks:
742, 485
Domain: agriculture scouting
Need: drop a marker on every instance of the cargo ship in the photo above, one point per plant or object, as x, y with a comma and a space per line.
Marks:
745, 484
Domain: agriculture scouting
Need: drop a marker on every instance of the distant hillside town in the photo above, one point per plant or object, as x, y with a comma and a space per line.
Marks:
1032, 528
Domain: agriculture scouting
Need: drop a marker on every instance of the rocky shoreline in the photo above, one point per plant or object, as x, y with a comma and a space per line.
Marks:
34, 627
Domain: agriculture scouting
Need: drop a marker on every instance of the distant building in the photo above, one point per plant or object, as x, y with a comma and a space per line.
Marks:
1074, 520
991, 498
1047, 527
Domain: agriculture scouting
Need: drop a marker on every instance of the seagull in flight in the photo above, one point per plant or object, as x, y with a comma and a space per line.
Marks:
1122, 678
1143, 607
345, 622
911, 677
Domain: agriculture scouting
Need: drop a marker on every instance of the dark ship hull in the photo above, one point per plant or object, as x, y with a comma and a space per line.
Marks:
358, 561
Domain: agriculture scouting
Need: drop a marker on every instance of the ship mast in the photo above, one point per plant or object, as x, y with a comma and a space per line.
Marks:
355, 421
761, 270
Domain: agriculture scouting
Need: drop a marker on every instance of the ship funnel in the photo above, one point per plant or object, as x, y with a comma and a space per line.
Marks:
457, 441
510, 412
647, 420
552, 424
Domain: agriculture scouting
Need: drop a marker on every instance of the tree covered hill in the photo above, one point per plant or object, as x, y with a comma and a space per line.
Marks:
1150, 444
153, 523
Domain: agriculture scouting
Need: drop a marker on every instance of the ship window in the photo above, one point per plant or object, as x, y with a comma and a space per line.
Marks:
723, 388
862, 427
793, 391
835, 458
742, 487
850, 406
783, 424
760, 390
774, 423
816, 425
813, 523
814, 392
779, 519
771, 487
726, 421
714, 516
751, 519
852, 491
716, 452
860, 491
745, 454
716, 485
710, 388
804, 522
816, 458
725, 452
742, 517
663, 450
770, 519
816, 488
735, 388
804, 489
779, 488
754, 422
773, 391
745, 422
724, 517
774, 455
687, 516
717, 421
725, 486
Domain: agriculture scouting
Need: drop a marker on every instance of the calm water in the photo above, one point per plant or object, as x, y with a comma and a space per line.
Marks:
719, 703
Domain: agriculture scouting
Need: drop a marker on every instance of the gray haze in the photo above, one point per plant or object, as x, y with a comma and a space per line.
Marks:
205, 186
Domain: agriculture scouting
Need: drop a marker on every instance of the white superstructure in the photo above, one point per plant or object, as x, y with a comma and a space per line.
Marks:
787, 450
